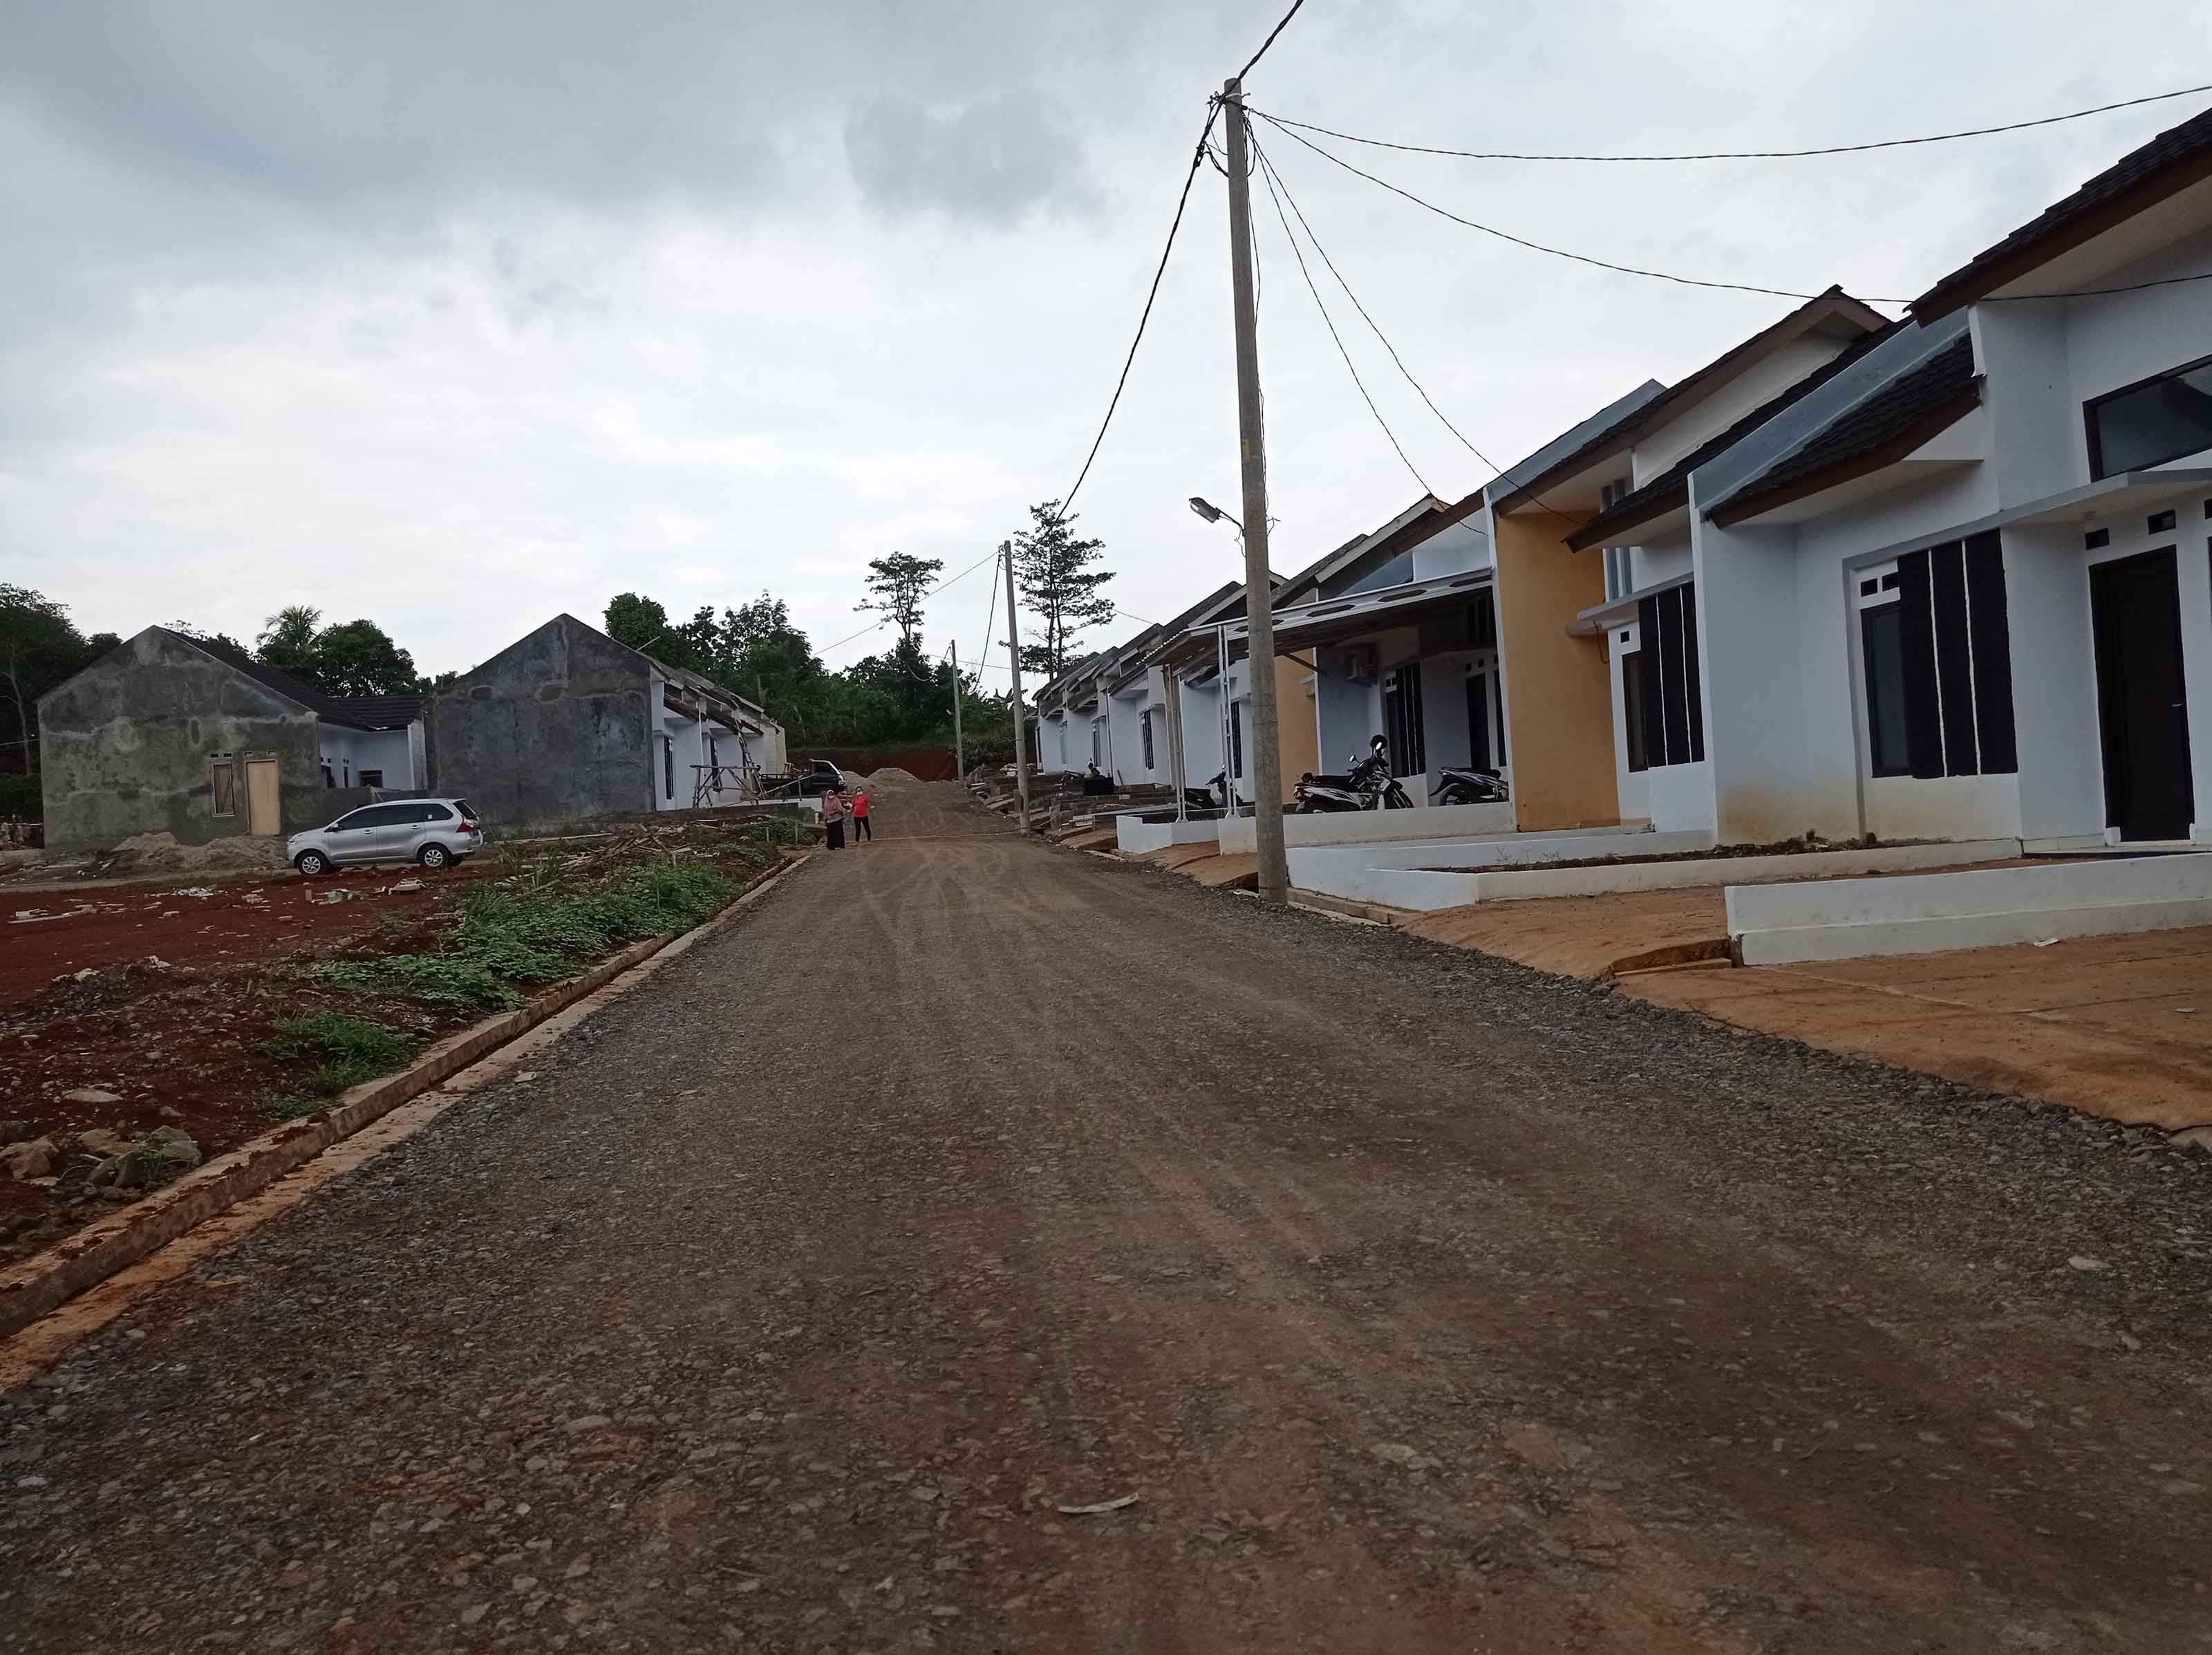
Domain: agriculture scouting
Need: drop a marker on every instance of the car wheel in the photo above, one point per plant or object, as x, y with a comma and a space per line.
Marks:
434, 856
312, 863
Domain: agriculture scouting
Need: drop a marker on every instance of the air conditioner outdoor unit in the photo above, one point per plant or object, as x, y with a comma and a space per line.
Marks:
1359, 665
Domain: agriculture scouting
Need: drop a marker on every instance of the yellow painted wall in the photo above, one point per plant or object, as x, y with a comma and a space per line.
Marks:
1559, 701
1297, 728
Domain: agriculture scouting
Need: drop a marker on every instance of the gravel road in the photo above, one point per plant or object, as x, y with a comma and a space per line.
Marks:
1394, 1299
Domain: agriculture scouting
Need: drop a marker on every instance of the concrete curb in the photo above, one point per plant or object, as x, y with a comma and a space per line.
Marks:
51, 1278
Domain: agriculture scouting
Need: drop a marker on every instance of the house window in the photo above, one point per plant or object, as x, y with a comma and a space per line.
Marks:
1662, 696
1098, 742
1632, 717
222, 787
1237, 740
1401, 721
668, 766
1936, 662
372, 779
2152, 421
1619, 579
1144, 731
329, 778
1478, 721
1482, 622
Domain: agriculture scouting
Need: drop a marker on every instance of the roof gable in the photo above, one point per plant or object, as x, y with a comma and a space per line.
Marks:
2171, 162
1832, 307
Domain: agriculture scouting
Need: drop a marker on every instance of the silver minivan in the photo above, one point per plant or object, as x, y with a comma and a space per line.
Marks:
436, 833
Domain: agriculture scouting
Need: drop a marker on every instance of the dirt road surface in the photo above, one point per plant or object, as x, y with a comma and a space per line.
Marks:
1421, 1303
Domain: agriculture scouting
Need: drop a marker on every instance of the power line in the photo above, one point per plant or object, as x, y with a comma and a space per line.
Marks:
1691, 281
1267, 176
1741, 154
1270, 40
1275, 180
990, 614
1197, 154
874, 626
1538, 246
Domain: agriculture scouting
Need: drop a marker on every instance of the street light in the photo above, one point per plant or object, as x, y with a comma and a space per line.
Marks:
1213, 514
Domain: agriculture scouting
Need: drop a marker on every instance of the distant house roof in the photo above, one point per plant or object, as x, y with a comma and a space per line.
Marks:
1620, 433
2169, 163
1671, 487
1916, 407
354, 712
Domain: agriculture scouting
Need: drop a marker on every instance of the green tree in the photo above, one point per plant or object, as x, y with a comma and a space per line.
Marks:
287, 641
643, 625
1060, 585
358, 658
39, 646
896, 586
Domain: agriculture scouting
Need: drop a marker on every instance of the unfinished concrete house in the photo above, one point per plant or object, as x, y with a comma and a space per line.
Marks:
168, 733
565, 724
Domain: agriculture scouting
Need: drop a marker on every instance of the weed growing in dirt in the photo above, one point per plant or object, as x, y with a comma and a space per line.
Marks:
273, 1108
440, 979
352, 1049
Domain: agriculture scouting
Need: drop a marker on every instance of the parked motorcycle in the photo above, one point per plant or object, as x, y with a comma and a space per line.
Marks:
1470, 786
1368, 785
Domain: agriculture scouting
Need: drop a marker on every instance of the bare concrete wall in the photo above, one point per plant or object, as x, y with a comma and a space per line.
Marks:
556, 728
127, 744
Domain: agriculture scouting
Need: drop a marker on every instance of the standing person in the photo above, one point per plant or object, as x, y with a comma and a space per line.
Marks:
860, 827
833, 816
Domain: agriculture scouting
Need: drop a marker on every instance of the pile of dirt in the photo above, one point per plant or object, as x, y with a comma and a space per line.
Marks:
159, 853
890, 778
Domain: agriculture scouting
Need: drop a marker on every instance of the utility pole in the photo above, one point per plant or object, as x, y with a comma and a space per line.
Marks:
959, 748
1014, 658
1274, 880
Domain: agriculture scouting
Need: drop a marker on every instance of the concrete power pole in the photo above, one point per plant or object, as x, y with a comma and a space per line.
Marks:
959, 748
1014, 658
1259, 586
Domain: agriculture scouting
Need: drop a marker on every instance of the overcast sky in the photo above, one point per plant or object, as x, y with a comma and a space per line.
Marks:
458, 315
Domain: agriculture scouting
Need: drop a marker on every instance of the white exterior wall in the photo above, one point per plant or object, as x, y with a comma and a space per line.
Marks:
1778, 617
1126, 713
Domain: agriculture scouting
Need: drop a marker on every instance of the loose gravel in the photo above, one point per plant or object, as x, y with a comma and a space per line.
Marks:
836, 1290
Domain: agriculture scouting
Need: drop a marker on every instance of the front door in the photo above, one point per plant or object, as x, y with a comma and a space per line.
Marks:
2135, 606
263, 816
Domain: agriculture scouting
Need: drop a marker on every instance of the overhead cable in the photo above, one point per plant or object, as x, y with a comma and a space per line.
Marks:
877, 625
1198, 155
1270, 40
1741, 154
1267, 176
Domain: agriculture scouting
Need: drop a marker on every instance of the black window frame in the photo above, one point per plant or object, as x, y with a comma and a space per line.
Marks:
1144, 733
2090, 409
1881, 761
1403, 722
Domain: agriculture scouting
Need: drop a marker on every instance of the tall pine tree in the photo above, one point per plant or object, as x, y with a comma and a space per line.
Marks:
1060, 585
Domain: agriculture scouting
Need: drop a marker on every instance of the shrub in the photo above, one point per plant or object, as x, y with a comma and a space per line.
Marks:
351, 1050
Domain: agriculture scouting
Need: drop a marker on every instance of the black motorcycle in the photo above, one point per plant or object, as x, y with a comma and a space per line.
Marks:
1368, 785
1470, 786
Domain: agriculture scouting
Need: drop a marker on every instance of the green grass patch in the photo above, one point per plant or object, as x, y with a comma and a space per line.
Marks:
527, 931
345, 1050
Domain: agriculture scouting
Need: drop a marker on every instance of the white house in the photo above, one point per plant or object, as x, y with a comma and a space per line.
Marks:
1955, 586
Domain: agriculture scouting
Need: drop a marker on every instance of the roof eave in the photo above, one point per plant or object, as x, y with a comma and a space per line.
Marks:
1757, 504
1973, 281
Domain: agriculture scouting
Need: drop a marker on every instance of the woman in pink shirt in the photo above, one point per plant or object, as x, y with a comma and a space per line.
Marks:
833, 816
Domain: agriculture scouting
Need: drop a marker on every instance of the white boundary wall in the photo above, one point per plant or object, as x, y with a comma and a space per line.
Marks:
1134, 836
1422, 887
1848, 919
1370, 827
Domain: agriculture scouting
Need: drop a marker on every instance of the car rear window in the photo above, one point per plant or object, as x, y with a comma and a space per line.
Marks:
433, 813
468, 811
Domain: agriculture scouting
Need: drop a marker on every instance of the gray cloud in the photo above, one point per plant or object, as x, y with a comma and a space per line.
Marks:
994, 159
